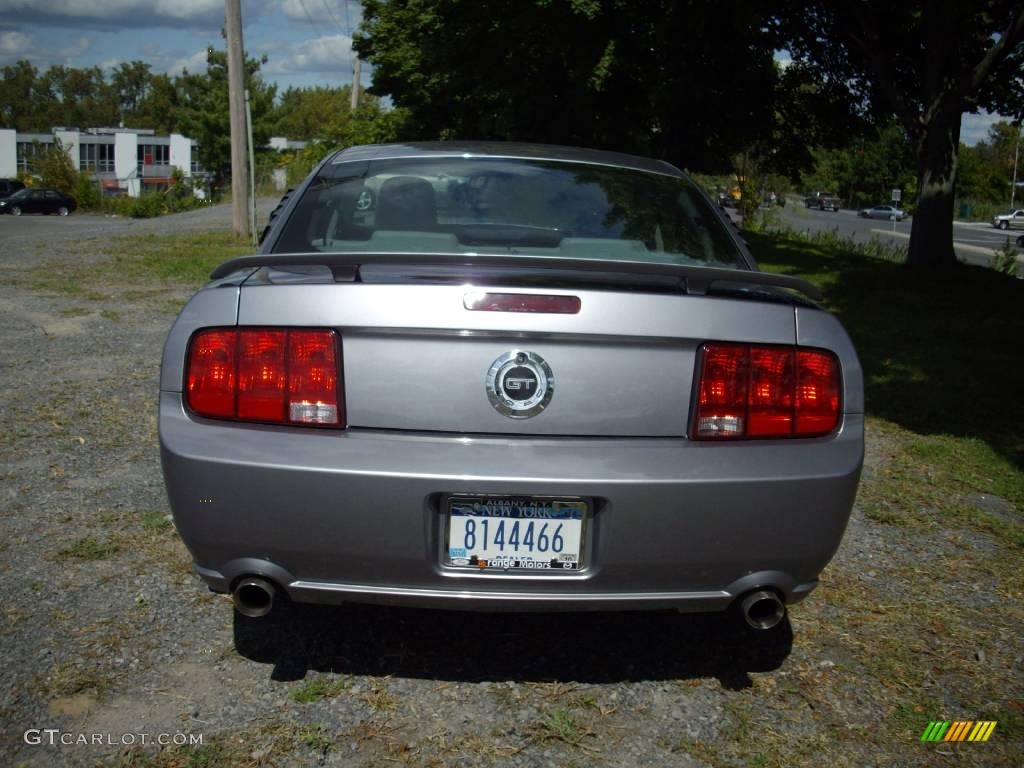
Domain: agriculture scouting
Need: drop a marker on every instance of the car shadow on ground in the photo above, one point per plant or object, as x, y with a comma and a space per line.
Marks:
536, 647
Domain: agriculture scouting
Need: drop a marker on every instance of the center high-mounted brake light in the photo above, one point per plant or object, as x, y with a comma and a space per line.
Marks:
269, 375
759, 391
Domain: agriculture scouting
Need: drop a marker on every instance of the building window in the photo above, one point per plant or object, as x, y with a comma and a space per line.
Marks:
96, 157
153, 154
27, 151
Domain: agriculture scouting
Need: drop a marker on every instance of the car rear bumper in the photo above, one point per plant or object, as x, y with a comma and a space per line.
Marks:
358, 515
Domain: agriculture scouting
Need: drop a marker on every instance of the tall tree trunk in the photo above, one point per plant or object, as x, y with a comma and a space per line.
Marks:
931, 235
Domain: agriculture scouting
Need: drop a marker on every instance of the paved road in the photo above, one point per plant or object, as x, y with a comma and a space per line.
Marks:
20, 229
974, 242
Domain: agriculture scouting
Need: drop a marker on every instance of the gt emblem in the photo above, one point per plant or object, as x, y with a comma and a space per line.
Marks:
520, 384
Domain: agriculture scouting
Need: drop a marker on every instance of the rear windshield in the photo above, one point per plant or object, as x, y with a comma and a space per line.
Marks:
498, 205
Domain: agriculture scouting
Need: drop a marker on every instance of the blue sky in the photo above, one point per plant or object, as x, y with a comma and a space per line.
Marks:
307, 41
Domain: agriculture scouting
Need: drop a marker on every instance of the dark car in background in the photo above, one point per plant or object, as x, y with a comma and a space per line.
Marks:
528, 377
9, 186
37, 200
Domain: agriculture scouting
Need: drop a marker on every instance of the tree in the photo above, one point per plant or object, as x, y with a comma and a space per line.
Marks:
927, 63
131, 83
203, 100
689, 82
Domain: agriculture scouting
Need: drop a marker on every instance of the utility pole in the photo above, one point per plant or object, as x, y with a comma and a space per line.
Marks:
236, 104
355, 86
252, 172
1013, 184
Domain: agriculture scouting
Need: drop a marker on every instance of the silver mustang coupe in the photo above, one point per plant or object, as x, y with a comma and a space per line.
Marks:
511, 377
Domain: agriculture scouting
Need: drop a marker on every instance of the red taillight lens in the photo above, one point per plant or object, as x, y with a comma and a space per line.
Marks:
817, 392
261, 375
747, 391
312, 378
212, 373
272, 375
722, 397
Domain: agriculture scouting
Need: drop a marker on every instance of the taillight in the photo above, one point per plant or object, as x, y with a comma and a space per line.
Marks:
748, 391
271, 375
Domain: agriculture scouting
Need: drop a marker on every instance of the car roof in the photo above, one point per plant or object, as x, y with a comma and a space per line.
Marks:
503, 149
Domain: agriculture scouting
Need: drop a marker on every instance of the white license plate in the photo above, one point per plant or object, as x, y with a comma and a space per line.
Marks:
515, 533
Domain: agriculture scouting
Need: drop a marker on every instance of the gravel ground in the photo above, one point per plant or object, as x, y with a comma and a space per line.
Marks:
106, 631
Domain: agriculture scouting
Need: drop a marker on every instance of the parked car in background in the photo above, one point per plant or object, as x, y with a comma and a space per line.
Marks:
36, 200
9, 186
1012, 219
559, 383
823, 201
889, 212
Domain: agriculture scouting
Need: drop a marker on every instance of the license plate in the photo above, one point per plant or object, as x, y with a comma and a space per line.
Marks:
515, 533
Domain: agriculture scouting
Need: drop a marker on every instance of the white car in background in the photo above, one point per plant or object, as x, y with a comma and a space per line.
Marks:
1008, 220
889, 212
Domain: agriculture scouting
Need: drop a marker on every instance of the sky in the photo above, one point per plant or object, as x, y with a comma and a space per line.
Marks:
307, 42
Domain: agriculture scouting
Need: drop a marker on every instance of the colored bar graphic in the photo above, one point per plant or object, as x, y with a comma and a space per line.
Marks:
958, 730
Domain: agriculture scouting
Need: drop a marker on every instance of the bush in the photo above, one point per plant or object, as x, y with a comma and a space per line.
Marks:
1005, 259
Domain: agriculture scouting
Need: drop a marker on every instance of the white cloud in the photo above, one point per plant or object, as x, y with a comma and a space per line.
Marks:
974, 128
124, 13
194, 63
14, 44
341, 15
331, 54
75, 49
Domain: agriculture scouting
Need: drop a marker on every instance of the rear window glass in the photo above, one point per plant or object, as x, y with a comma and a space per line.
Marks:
498, 205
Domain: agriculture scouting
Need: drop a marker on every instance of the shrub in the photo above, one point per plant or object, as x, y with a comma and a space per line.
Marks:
1005, 259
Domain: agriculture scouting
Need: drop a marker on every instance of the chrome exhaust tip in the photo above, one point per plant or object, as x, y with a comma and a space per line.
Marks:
762, 609
253, 597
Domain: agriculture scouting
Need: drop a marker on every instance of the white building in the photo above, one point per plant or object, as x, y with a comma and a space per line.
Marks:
124, 160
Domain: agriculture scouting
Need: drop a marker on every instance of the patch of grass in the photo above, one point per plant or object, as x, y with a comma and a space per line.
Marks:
187, 258
927, 481
156, 522
68, 679
89, 548
559, 724
75, 312
110, 314
318, 688
379, 698
315, 737
133, 264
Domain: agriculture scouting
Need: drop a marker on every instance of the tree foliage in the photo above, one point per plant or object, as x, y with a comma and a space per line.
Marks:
689, 82
926, 63
203, 112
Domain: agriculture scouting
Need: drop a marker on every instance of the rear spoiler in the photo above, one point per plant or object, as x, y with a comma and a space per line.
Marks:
345, 267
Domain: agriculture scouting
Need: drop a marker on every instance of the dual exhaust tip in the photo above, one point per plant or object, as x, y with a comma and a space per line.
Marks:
254, 597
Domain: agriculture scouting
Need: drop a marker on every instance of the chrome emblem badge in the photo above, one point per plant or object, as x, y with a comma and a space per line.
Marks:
520, 384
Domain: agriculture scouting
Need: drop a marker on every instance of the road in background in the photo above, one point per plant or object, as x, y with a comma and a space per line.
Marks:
974, 242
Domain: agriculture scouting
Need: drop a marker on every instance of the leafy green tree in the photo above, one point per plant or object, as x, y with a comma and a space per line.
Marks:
690, 82
927, 63
302, 113
204, 113
865, 172
22, 99
84, 96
